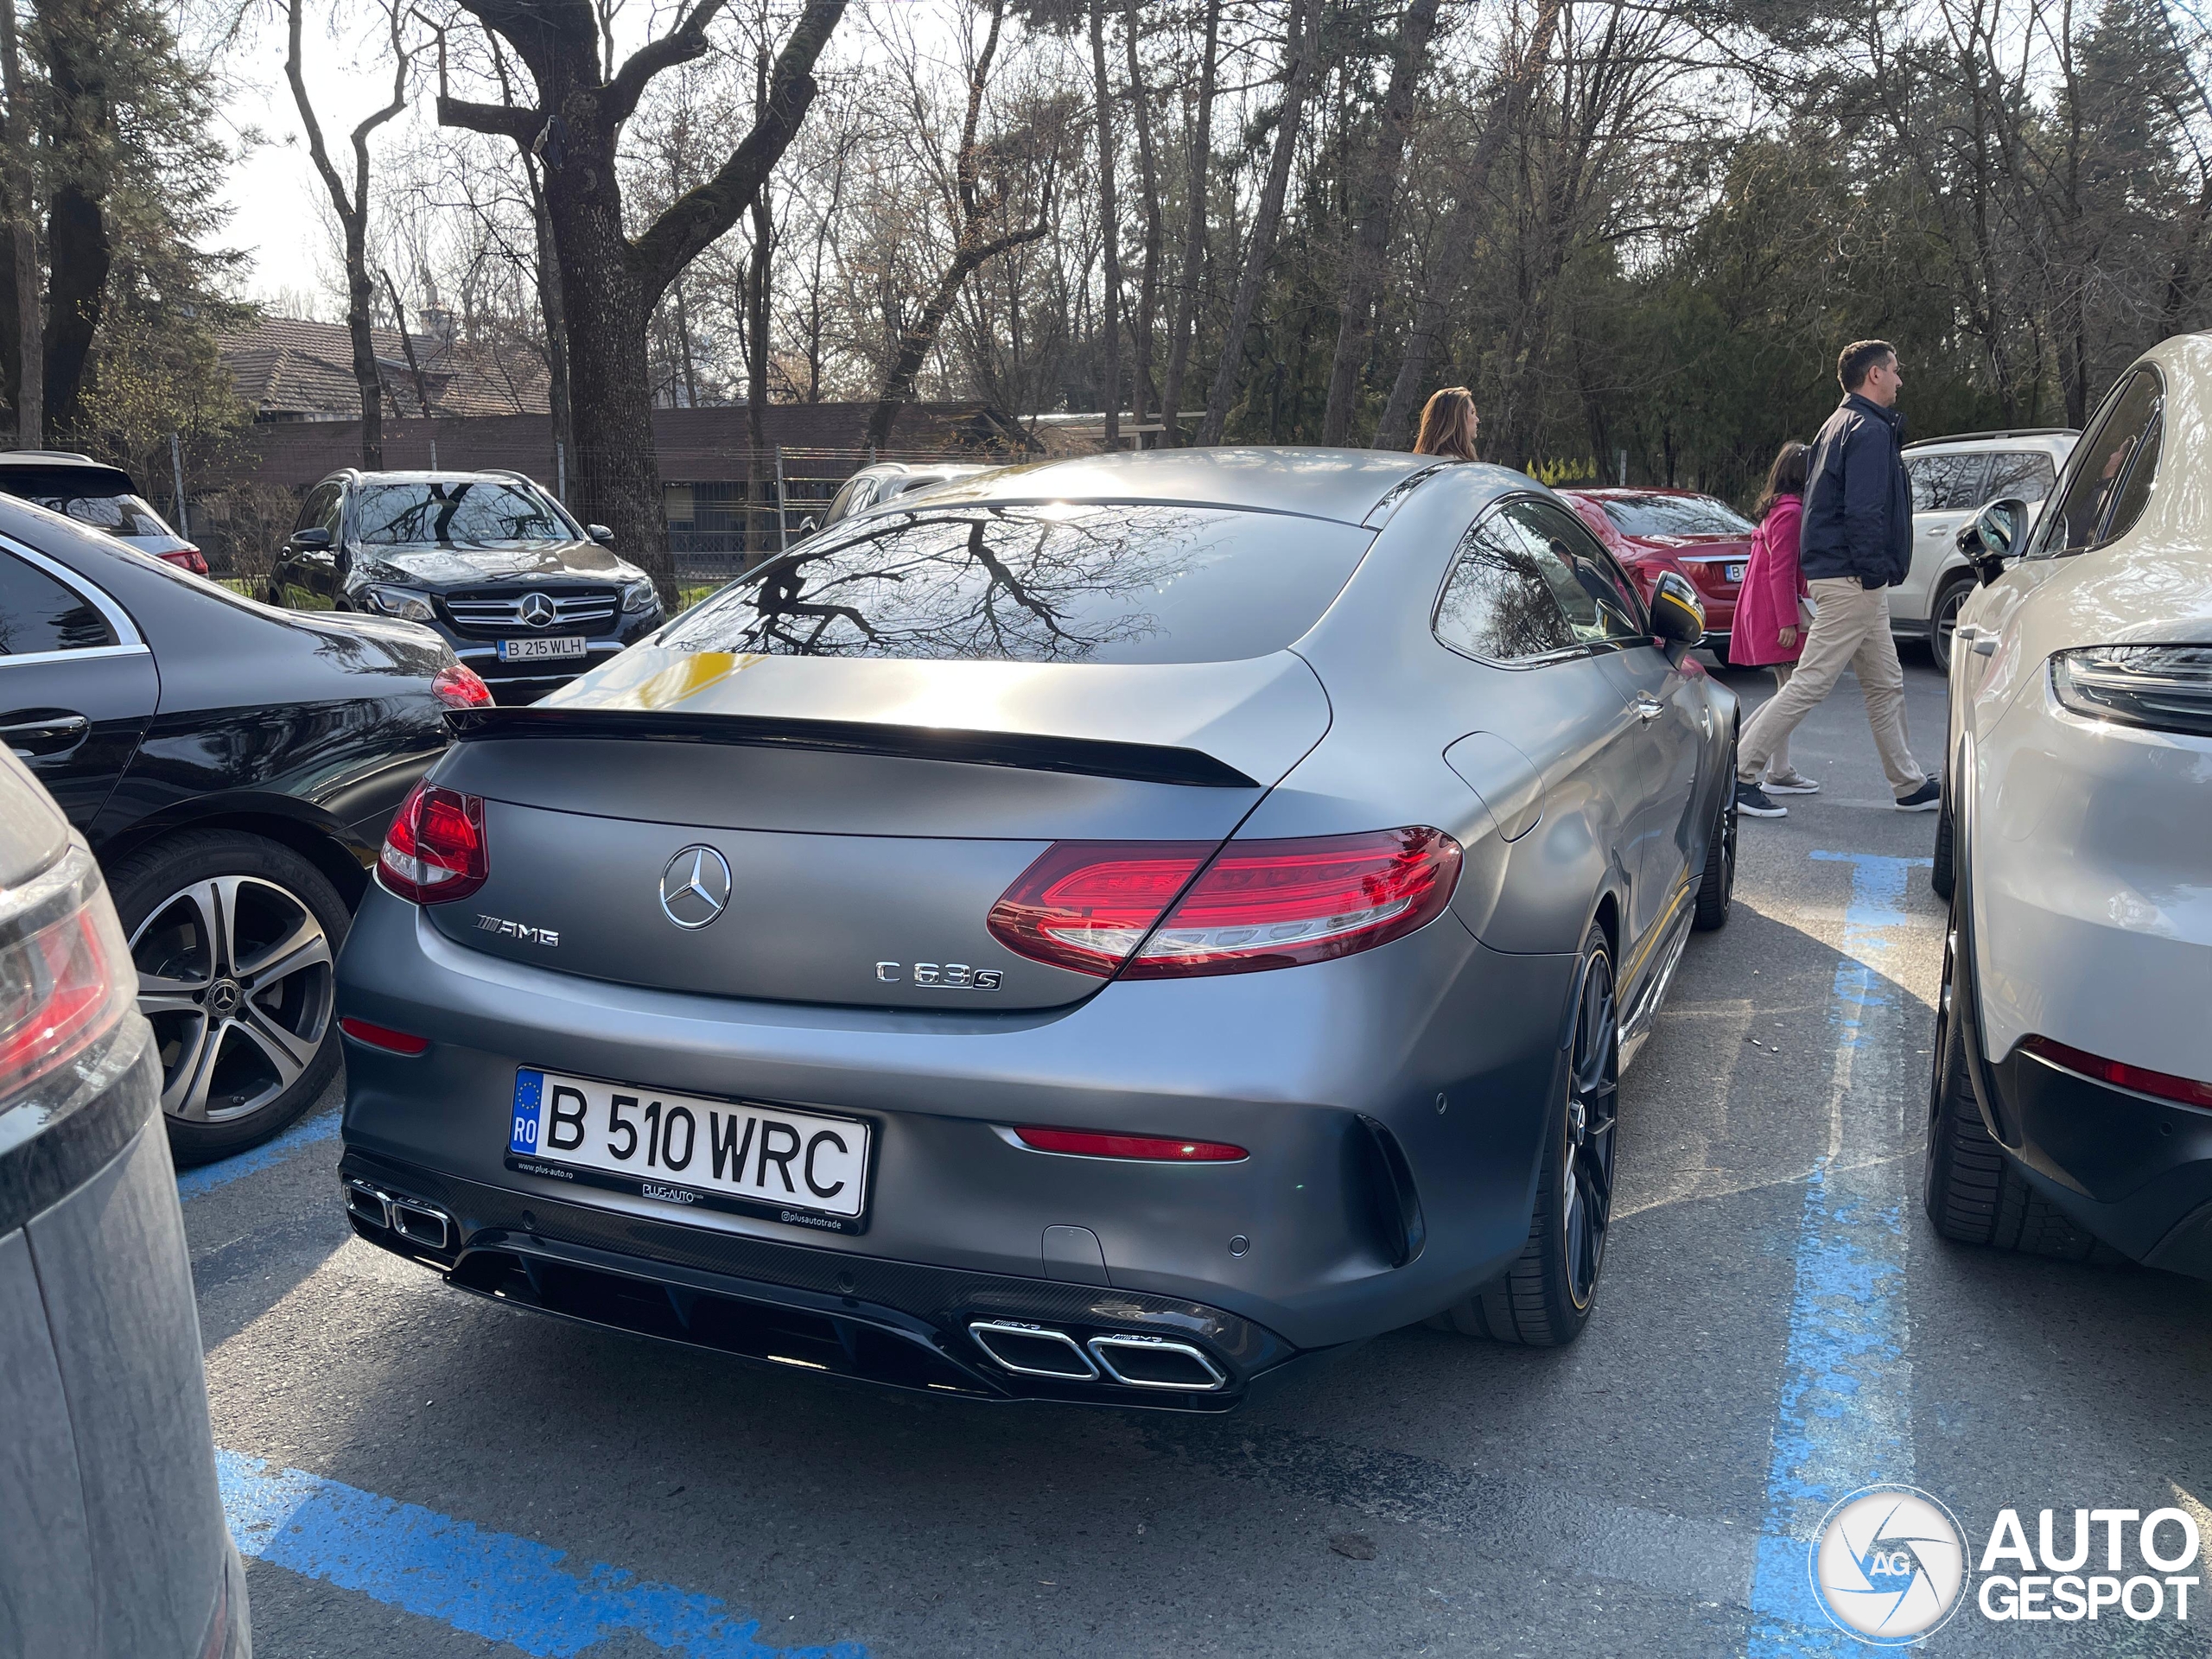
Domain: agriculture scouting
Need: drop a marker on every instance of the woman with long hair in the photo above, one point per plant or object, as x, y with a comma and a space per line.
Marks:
1447, 425
1772, 606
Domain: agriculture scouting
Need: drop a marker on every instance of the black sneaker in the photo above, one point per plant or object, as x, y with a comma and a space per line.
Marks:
1751, 802
1926, 798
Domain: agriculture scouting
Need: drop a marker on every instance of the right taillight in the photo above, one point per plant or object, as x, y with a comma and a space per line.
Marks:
2163, 688
2120, 1074
435, 852
1098, 907
65, 976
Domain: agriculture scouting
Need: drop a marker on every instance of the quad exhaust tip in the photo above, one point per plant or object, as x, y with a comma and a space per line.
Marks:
416, 1221
1135, 1362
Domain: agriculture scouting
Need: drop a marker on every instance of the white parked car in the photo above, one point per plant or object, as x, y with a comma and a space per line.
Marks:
887, 481
2071, 1105
1951, 477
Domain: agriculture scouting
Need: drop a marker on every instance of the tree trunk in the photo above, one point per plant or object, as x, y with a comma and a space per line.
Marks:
78, 257
1304, 48
360, 300
1155, 236
26, 351
1109, 231
1194, 239
756, 362
557, 324
1431, 310
1371, 232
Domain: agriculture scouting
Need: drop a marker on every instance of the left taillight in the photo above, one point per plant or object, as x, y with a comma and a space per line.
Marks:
66, 976
435, 851
189, 559
1098, 907
459, 686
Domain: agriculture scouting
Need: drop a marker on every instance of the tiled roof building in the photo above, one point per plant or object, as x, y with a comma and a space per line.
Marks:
291, 370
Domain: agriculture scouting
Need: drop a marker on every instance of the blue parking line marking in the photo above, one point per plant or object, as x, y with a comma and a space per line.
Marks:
208, 1177
494, 1585
1845, 1417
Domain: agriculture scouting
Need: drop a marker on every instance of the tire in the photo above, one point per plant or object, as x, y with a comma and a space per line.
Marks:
1973, 1193
1716, 888
1543, 1300
237, 936
1943, 617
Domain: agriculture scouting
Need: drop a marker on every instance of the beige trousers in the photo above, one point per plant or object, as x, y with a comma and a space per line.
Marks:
1777, 760
1851, 628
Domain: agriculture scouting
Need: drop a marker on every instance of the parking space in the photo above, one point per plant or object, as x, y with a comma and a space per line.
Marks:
410, 1471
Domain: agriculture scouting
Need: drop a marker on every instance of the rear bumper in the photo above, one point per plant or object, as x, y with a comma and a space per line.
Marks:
1361, 1207
2134, 1170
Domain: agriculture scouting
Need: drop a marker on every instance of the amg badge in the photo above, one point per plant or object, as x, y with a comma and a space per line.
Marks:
548, 937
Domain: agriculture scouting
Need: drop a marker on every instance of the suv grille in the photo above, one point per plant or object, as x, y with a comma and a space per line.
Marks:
499, 614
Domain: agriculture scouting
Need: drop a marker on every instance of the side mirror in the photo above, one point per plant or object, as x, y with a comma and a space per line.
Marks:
808, 525
1677, 617
316, 536
600, 534
1993, 535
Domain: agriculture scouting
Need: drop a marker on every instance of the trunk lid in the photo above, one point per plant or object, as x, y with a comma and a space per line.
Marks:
868, 813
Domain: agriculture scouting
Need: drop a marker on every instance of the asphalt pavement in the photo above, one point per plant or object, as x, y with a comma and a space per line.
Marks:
410, 1472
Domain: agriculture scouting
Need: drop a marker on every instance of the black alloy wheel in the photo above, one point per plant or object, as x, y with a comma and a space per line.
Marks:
1544, 1299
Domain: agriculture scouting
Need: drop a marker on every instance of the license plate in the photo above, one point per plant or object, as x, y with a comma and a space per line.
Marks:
799, 1167
1735, 573
549, 644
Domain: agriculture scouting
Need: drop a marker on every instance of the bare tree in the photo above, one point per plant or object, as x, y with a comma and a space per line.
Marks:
351, 206
975, 207
1194, 234
1303, 50
1147, 317
1364, 269
1110, 233
610, 281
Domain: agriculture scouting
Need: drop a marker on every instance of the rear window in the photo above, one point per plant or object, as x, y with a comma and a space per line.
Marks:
1050, 583
118, 515
475, 512
1674, 515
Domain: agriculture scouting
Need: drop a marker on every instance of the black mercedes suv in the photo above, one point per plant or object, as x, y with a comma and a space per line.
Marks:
527, 597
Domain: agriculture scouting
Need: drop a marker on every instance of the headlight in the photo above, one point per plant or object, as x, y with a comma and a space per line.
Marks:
2165, 687
639, 597
397, 601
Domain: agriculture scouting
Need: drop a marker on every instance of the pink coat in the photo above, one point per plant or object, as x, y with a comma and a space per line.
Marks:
1768, 600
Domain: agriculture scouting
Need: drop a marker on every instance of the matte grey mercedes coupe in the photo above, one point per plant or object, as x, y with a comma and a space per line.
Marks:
1099, 933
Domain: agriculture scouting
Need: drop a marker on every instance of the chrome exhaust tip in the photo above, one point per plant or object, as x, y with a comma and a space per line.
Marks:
1033, 1349
367, 1203
1155, 1362
421, 1223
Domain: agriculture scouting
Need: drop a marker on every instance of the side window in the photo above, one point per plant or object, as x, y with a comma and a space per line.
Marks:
1496, 603
334, 511
315, 509
2027, 473
1579, 573
1951, 483
2110, 468
38, 614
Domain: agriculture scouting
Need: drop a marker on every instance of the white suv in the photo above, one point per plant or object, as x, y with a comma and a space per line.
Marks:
2071, 1105
1951, 477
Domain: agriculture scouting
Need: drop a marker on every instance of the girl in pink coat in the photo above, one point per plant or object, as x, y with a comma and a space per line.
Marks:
1769, 630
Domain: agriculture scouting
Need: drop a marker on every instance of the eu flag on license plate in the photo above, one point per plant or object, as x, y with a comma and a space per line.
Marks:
530, 1092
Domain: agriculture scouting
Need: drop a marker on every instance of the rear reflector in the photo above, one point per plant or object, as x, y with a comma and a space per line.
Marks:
435, 852
384, 1037
1088, 1143
2119, 1074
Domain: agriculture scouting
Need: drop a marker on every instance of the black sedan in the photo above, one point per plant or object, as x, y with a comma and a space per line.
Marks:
527, 597
234, 770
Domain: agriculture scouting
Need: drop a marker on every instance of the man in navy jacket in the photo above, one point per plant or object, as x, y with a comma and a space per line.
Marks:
1855, 545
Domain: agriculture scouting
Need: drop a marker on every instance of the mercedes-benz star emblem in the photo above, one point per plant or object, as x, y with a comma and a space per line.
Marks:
536, 610
695, 887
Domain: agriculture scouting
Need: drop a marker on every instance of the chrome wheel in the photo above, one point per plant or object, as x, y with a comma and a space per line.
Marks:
235, 976
1592, 1098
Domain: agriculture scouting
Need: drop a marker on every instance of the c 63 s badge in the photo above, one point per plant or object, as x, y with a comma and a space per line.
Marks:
548, 937
940, 976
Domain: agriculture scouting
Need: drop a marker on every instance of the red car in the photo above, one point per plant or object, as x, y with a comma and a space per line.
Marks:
1652, 531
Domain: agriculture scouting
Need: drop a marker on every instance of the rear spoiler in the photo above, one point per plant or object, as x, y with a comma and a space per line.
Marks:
1145, 763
